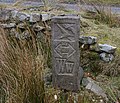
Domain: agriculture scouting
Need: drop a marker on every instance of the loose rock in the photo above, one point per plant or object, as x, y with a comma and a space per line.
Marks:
23, 16
107, 48
14, 13
91, 85
87, 40
45, 17
106, 57
34, 17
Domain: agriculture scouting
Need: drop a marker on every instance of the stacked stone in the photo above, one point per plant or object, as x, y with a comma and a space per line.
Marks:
13, 20
105, 51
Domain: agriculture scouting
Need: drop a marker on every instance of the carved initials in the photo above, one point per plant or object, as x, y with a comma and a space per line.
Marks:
64, 67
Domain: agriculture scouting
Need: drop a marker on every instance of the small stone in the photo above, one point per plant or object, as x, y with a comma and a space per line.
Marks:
34, 17
14, 13
107, 48
7, 26
95, 88
45, 17
23, 16
106, 57
87, 40
85, 81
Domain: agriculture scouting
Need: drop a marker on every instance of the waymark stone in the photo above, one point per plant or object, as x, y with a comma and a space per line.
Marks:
65, 52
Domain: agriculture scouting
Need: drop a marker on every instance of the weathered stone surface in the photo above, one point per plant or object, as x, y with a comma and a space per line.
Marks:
91, 85
34, 17
45, 17
22, 16
106, 57
14, 14
8, 26
87, 39
107, 48
65, 52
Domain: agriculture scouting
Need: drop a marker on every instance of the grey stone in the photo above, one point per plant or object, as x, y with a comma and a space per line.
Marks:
5, 15
24, 35
87, 39
22, 16
106, 57
85, 81
107, 48
34, 17
14, 14
65, 52
8, 26
95, 88
45, 17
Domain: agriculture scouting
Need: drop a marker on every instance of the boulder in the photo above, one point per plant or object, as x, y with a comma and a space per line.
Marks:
106, 48
106, 57
87, 40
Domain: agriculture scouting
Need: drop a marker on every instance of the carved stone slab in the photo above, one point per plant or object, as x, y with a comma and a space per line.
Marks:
65, 52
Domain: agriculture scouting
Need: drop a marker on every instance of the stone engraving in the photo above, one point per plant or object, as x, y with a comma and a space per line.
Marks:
65, 52
64, 68
64, 48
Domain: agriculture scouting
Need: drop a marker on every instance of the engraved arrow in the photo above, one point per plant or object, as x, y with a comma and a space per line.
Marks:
64, 49
65, 33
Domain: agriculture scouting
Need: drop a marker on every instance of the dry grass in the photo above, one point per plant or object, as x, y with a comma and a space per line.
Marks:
21, 71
